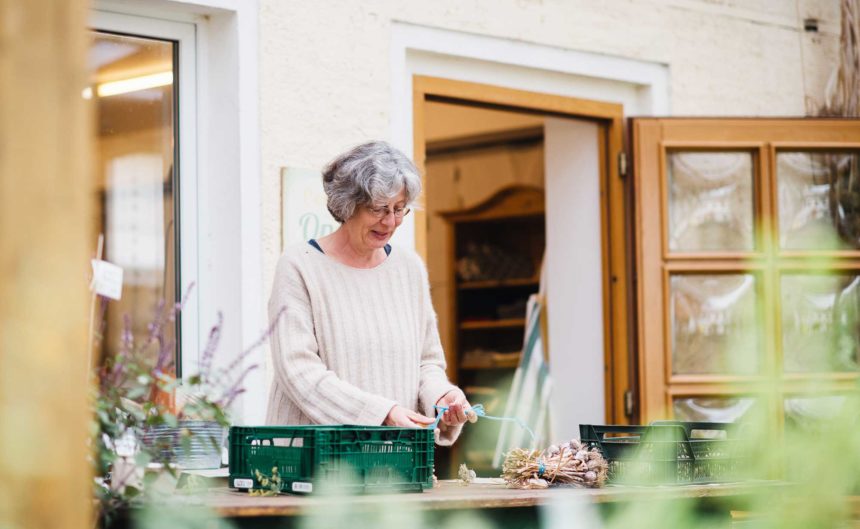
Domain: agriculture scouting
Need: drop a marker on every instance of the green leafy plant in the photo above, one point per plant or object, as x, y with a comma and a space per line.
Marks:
136, 391
271, 483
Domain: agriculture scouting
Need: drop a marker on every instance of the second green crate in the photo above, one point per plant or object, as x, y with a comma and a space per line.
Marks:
672, 452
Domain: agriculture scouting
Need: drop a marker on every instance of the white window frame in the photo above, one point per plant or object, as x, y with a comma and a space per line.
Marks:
220, 195
184, 34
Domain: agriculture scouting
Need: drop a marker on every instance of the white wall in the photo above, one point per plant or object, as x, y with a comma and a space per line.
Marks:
333, 74
574, 274
329, 76
337, 73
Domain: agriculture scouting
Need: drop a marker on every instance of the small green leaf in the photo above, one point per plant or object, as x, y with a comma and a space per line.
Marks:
131, 492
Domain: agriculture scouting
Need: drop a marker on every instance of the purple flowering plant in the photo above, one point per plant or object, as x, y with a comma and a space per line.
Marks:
135, 391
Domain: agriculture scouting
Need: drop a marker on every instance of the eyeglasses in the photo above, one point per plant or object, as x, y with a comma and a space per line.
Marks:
382, 212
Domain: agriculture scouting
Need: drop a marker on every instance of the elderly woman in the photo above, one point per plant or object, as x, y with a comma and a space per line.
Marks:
358, 343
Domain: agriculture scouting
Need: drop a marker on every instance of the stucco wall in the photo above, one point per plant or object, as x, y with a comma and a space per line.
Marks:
325, 74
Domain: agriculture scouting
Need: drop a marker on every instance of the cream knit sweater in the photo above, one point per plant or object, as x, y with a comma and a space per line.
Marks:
354, 342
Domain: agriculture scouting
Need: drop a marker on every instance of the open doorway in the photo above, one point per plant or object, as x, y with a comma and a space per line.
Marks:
515, 187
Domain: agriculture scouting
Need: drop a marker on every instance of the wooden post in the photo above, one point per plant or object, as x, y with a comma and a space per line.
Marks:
46, 216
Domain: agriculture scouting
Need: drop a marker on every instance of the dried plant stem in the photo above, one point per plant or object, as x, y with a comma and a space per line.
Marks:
581, 467
91, 336
842, 96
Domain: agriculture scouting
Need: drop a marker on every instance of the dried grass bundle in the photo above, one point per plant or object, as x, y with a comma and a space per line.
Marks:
564, 464
842, 95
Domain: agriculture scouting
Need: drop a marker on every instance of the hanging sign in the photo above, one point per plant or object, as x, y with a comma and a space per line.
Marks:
107, 279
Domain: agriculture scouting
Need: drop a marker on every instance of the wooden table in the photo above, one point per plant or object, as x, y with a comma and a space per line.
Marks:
507, 507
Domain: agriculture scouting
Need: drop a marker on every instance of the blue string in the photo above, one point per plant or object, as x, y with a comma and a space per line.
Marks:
541, 467
478, 409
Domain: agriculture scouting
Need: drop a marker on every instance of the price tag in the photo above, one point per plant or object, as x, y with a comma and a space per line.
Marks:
301, 486
107, 279
240, 483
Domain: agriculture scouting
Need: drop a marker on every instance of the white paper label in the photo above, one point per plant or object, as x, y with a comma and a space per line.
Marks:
243, 483
301, 486
107, 279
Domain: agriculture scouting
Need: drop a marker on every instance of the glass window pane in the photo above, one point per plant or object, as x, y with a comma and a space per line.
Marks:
713, 409
710, 201
819, 200
809, 414
820, 322
714, 324
132, 91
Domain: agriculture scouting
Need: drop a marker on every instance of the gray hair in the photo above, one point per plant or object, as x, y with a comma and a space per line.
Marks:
370, 173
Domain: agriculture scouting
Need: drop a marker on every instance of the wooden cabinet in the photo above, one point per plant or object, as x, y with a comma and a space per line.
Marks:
494, 259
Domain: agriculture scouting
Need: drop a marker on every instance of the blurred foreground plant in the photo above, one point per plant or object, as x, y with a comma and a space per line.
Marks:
136, 390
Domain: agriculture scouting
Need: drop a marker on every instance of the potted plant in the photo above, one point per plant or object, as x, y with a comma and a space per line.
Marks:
147, 424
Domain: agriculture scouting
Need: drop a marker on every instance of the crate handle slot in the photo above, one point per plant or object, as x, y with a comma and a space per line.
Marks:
727, 428
591, 432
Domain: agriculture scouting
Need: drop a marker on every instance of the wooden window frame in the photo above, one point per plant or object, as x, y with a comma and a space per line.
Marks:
652, 139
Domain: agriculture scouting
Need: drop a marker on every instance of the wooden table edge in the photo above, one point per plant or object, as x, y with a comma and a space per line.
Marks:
234, 504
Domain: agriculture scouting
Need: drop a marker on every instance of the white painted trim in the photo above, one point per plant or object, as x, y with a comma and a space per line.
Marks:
194, 11
419, 50
642, 87
229, 199
184, 34
254, 297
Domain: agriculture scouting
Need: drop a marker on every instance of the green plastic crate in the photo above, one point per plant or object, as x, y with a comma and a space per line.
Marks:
353, 459
672, 452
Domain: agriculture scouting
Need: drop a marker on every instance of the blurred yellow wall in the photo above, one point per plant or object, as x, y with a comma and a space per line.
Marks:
46, 198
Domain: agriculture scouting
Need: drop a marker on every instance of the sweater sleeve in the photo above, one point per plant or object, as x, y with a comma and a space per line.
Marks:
434, 382
309, 384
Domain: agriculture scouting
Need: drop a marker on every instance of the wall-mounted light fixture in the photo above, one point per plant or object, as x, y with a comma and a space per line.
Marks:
134, 84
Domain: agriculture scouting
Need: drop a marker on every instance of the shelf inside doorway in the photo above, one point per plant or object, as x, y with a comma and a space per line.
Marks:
499, 283
506, 364
493, 324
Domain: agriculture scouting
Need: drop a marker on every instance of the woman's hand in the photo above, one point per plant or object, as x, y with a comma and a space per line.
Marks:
406, 418
455, 401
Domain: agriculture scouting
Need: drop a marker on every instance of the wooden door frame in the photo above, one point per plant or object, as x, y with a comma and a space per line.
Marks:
609, 118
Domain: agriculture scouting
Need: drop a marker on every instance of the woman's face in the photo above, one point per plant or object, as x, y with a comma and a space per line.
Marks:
373, 226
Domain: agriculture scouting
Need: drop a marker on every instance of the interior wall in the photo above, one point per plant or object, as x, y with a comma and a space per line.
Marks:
445, 121
574, 277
